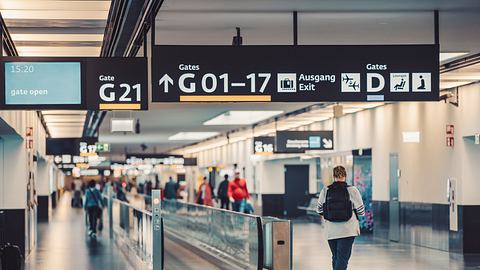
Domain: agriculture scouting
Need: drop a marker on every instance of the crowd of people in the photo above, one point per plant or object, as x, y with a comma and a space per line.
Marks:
232, 193
339, 204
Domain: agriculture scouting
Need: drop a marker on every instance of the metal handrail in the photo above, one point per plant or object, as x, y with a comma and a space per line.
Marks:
131, 206
263, 242
205, 239
206, 207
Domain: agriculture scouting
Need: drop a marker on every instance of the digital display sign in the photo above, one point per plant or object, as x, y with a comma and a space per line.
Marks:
306, 73
73, 83
42, 83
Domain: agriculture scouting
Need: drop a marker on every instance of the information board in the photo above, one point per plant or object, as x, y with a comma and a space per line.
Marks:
295, 73
263, 145
117, 84
71, 146
301, 141
75, 83
46, 83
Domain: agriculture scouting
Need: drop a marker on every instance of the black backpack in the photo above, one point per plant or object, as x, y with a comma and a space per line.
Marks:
337, 206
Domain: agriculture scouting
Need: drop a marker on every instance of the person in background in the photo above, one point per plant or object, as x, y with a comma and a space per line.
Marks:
182, 193
222, 193
133, 188
171, 189
120, 193
77, 193
340, 205
157, 183
238, 193
204, 194
93, 206
148, 188
77, 185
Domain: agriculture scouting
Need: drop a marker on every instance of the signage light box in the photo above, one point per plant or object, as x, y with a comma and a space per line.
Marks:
43, 83
74, 83
301, 141
307, 73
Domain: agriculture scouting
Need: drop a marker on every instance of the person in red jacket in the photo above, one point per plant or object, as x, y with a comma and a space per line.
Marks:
204, 194
238, 193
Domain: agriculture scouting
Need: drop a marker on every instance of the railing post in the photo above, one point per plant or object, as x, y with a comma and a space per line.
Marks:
110, 212
157, 254
278, 244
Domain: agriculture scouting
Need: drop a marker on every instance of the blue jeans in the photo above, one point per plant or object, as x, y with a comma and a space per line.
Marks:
341, 252
238, 206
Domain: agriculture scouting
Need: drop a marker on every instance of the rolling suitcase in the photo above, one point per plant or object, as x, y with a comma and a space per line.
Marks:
11, 257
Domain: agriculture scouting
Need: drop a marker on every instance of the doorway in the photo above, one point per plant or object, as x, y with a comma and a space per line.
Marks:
394, 205
296, 189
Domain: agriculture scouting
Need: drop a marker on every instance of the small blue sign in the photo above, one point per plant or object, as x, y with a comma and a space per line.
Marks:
314, 142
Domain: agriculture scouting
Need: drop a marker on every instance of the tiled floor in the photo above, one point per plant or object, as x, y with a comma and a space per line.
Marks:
311, 252
63, 244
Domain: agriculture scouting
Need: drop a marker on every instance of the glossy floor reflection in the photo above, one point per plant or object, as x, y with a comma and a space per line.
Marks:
178, 257
63, 244
311, 252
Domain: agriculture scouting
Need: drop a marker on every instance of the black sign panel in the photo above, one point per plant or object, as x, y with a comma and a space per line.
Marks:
263, 145
74, 83
295, 73
117, 84
163, 159
300, 141
70, 146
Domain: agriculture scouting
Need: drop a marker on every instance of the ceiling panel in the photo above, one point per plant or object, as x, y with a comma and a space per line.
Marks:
57, 28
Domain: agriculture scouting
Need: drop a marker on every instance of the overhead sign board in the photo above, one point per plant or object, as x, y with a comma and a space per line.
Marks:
71, 146
301, 141
159, 159
117, 84
295, 73
76, 83
263, 145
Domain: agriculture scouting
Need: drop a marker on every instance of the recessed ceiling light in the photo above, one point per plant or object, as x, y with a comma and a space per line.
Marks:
191, 136
240, 117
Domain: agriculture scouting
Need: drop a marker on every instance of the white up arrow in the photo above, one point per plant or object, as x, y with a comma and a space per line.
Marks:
165, 80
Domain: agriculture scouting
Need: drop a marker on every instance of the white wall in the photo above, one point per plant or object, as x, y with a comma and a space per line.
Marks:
14, 158
15, 174
425, 166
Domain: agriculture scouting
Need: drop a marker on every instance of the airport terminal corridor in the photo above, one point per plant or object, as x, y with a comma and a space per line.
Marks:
239, 135
63, 244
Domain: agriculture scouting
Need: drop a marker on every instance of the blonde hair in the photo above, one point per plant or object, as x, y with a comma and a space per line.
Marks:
339, 172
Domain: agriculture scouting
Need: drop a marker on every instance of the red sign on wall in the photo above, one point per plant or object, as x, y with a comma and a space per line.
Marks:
450, 135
